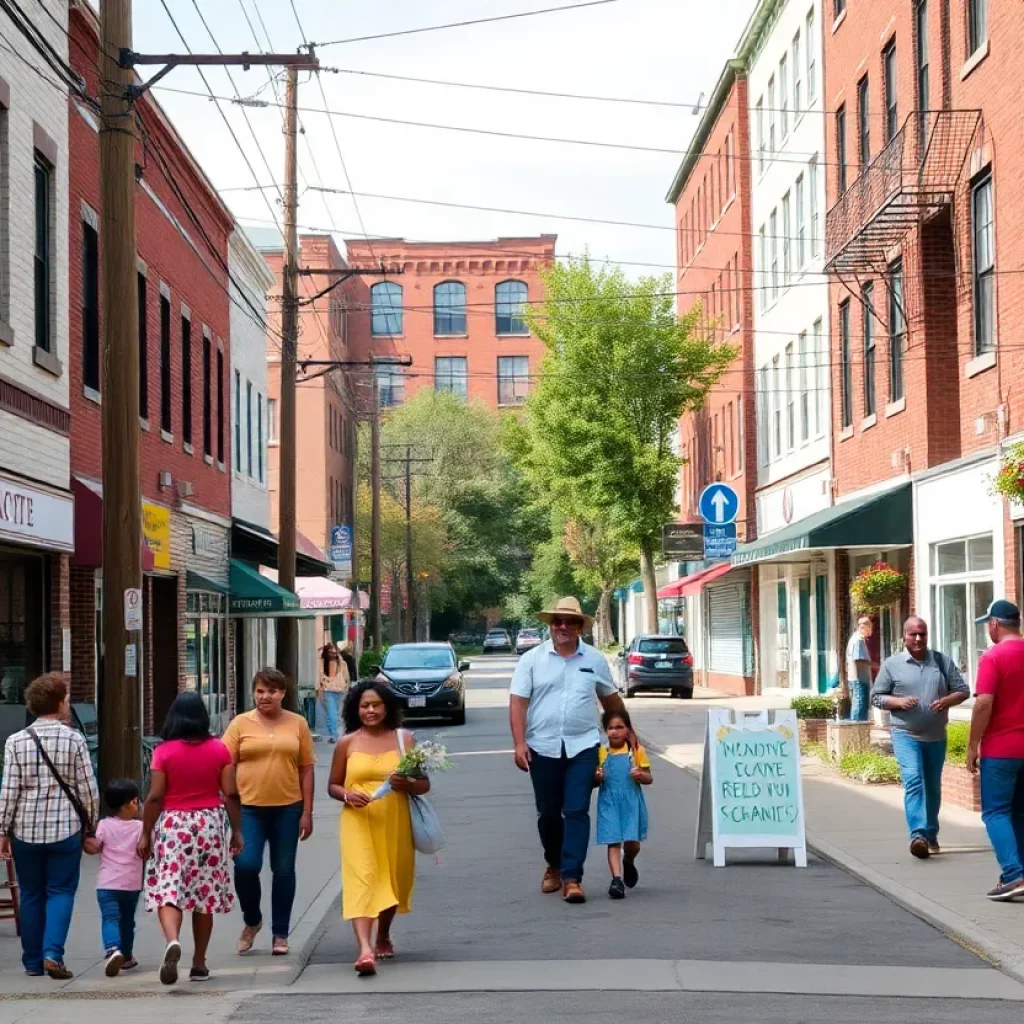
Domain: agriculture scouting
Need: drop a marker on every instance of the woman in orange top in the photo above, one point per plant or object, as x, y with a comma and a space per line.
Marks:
274, 757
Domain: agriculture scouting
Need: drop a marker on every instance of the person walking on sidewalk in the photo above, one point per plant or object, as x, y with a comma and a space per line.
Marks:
997, 745
333, 683
48, 803
554, 724
274, 758
917, 687
858, 671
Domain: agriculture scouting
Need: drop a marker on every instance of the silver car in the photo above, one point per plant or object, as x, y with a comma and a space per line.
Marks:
497, 640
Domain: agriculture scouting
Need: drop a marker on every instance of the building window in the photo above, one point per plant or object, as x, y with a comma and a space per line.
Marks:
776, 409
805, 397
982, 232
812, 196
259, 437
166, 419
206, 630
220, 405
90, 307
783, 96
271, 421
923, 91
977, 25
811, 47
762, 269
207, 396
143, 297
864, 122
822, 391
771, 116
43, 253
759, 122
451, 375
846, 370
248, 428
841, 147
868, 302
509, 302
962, 588
774, 223
741, 433
450, 308
787, 260
790, 401
897, 331
390, 386
798, 72
513, 379
238, 421
889, 84
801, 223
386, 309
186, 380
730, 165
839, 6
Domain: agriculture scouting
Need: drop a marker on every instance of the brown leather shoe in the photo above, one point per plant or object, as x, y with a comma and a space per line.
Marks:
552, 880
572, 892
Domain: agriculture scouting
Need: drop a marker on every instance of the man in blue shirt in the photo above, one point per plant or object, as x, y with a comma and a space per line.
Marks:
554, 720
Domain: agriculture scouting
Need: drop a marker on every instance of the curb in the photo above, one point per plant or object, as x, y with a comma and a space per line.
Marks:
1009, 961
312, 926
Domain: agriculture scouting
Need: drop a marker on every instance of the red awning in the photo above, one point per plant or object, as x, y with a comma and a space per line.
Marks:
690, 585
89, 528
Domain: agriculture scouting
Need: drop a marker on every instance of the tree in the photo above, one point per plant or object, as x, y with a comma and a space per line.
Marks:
620, 371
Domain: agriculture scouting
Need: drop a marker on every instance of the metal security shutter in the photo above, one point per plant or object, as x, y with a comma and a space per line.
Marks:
725, 629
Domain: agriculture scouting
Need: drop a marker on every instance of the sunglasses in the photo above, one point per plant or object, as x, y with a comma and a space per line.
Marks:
566, 622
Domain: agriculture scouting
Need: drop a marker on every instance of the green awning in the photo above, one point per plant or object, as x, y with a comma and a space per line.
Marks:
193, 581
253, 595
879, 521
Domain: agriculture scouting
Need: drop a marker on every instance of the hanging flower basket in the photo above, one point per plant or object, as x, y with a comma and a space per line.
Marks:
1009, 481
877, 586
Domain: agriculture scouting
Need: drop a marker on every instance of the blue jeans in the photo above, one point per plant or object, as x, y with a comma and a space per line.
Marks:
860, 701
563, 788
921, 764
48, 878
332, 705
1002, 810
278, 827
117, 919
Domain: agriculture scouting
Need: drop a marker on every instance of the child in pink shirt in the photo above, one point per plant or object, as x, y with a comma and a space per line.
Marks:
119, 882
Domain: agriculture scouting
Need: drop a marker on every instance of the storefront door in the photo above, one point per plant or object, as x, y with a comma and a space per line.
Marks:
806, 654
821, 629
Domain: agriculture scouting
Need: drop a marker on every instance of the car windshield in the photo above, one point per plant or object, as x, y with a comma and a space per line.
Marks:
669, 645
497, 634
528, 634
419, 657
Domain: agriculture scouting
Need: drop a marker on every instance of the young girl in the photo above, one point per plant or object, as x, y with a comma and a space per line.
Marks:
621, 808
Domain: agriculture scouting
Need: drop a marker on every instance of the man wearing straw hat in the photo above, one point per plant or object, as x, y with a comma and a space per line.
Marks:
554, 720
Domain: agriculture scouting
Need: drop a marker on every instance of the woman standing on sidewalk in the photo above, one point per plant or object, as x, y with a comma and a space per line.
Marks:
273, 754
48, 803
192, 781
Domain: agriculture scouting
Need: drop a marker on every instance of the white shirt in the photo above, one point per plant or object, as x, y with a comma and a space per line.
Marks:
562, 692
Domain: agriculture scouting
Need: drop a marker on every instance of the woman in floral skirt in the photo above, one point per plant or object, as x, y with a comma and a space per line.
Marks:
185, 831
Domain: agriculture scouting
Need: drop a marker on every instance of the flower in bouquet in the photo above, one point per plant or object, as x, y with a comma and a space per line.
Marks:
422, 760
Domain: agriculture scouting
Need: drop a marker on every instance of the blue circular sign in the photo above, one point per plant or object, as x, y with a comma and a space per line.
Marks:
719, 504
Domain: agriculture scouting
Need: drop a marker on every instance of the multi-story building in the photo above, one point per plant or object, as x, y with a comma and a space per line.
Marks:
924, 181
36, 505
456, 309
711, 196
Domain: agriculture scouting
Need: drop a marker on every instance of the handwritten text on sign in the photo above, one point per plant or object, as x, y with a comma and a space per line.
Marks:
756, 772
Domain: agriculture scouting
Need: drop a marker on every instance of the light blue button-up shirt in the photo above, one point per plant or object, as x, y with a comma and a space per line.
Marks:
561, 692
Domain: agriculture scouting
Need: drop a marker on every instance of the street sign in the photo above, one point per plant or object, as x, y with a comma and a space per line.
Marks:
132, 609
719, 541
719, 504
684, 541
341, 549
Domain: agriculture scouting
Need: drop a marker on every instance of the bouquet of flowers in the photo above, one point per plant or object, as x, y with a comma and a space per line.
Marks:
424, 759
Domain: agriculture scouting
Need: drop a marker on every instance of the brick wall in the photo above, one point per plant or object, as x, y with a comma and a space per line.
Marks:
83, 629
60, 611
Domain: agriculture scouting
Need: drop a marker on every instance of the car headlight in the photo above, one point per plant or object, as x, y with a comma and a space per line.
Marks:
452, 682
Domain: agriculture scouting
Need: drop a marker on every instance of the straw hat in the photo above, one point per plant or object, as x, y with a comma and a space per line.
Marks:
564, 608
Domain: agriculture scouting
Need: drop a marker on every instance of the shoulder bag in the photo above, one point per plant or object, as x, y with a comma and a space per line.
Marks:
73, 798
427, 834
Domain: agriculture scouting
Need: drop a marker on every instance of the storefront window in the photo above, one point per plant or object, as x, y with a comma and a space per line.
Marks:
962, 589
206, 653
21, 624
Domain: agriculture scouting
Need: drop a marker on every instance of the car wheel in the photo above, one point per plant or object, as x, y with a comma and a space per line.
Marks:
459, 718
685, 694
630, 693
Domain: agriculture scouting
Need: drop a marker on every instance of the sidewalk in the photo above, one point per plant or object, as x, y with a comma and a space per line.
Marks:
862, 829
318, 887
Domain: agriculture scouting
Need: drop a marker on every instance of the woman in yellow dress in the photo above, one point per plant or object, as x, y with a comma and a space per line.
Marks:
378, 860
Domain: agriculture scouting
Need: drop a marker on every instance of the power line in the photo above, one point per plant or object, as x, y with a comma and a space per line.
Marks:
463, 24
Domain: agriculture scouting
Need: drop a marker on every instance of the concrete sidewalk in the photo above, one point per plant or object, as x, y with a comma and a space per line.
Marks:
862, 829
318, 888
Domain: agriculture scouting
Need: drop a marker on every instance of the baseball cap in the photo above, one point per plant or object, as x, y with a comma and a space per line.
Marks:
1001, 609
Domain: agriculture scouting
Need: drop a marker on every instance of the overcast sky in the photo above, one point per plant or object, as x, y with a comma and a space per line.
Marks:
647, 49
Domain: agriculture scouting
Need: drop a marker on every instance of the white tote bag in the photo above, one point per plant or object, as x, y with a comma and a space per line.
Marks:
427, 834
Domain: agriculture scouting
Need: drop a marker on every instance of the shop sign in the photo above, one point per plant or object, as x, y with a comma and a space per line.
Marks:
683, 541
36, 517
209, 543
156, 530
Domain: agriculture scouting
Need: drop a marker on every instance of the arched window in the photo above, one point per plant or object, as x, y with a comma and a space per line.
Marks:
386, 308
450, 308
509, 300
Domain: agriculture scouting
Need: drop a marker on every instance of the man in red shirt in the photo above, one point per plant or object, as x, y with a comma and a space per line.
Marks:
997, 741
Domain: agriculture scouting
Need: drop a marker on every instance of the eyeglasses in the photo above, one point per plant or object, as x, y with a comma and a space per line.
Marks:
566, 622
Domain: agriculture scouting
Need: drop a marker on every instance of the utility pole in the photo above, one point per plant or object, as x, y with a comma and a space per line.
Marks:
410, 596
287, 628
119, 697
375, 518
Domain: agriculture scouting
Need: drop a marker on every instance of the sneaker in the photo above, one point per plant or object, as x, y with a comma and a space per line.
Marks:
169, 967
1007, 891
57, 970
617, 890
115, 961
130, 964
919, 847
933, 847
630, 875
572, 892
199, 974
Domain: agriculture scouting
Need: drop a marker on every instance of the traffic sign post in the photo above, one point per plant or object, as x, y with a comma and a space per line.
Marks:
719, 504
719, 541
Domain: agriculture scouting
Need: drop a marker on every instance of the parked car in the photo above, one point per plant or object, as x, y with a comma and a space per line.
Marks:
462, 638
497, 640
427, 678
653, 663
527, 639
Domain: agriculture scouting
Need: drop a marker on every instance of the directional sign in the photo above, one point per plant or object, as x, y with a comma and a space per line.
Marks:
684, 541
719, 541
341, 549
719, 504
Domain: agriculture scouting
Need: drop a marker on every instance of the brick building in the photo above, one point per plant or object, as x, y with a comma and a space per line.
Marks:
925, 177
183, 232
36, 505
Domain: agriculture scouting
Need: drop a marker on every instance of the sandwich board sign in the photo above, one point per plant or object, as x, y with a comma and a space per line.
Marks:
751, 794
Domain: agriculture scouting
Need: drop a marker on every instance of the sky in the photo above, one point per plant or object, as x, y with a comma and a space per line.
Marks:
666, 50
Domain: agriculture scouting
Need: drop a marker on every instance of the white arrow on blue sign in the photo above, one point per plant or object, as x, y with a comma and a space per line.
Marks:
719, 504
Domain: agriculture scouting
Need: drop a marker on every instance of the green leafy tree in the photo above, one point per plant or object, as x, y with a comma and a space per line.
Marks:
620, 370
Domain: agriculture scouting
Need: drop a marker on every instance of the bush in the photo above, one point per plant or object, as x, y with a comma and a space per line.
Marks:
956, 743
813, 707
368, 659
870, 766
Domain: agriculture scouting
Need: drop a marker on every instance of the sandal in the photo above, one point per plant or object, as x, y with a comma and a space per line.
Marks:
280, 947
366, 966
385, 949
248, 937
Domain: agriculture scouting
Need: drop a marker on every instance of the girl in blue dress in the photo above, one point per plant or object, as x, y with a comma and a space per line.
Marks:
621, 808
